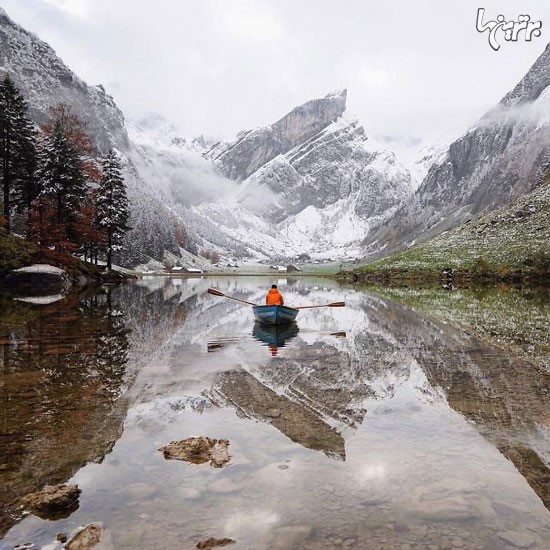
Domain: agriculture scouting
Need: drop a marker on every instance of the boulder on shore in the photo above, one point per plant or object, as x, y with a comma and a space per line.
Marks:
53, 501
38, 280
199, 450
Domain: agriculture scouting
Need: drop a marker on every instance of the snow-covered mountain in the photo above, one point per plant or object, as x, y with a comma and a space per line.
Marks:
493, 163
45, 81
309, 183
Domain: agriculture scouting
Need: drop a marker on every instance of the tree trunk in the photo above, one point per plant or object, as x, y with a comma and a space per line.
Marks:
7, 178
109, 251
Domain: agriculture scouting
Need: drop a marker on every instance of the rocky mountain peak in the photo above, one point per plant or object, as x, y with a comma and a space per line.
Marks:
310, 118
254, 148
492, 164
533, 83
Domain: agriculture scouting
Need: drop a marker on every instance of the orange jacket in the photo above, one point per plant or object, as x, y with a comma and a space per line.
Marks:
274, 297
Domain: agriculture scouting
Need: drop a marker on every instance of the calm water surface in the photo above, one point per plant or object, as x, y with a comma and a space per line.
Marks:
366, 427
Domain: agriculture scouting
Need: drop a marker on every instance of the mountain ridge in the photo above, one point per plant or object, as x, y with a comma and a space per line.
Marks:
319, 196
493, 163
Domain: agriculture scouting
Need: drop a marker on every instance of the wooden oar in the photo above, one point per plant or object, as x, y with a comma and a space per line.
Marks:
222, 295
334, 304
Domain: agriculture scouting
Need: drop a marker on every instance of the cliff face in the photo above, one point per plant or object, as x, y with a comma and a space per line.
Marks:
491, 165
312, 183
46, 81
254, 148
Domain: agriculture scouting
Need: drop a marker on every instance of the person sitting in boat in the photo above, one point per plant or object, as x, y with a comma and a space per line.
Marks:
274, 297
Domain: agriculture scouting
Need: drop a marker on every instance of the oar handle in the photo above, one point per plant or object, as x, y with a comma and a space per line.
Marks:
215, 292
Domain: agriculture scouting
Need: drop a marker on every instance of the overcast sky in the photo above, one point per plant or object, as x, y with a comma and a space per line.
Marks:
219, 66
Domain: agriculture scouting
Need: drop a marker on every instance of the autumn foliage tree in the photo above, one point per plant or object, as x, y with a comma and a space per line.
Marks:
67, 172
54, 185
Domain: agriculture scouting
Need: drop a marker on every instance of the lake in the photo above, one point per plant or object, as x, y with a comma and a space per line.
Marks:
373, 426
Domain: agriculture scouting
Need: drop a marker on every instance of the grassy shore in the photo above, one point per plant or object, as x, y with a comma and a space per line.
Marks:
15, 252
509, 244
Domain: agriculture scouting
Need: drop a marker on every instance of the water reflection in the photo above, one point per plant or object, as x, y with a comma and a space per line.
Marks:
61, 372
372, 426
275, 337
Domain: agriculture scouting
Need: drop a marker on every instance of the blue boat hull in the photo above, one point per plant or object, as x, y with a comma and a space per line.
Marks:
274, 315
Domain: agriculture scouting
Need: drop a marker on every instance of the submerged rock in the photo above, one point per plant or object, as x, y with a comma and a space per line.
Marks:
449, 500
199, 450
291, 536
214, 543
86, 538
518, 539
53, 501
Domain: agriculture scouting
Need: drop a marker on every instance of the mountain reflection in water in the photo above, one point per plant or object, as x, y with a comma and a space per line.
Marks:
371, 423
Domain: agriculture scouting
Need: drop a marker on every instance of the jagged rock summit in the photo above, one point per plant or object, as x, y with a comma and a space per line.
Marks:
254, 148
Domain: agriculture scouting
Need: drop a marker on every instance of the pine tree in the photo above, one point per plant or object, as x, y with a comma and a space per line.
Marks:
17, 151
27, 184
61, 177
112, 205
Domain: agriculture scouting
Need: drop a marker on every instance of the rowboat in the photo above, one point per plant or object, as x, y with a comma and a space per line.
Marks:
275, 315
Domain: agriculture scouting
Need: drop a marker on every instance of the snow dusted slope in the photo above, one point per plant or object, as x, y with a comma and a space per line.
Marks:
335, 164
491, 165
318, 197
45, 81
175, 164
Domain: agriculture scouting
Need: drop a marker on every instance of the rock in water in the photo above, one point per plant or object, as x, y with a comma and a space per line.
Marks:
448, 500
214, 543
87, 538
53, 501
518, 539
198, 450
291, 536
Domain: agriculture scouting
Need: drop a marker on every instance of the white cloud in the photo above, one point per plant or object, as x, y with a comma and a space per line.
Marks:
74, 8
254, 27
373, 78
216, 67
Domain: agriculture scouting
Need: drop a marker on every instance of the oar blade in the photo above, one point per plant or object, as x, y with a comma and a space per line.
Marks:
334, 304
215, 292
